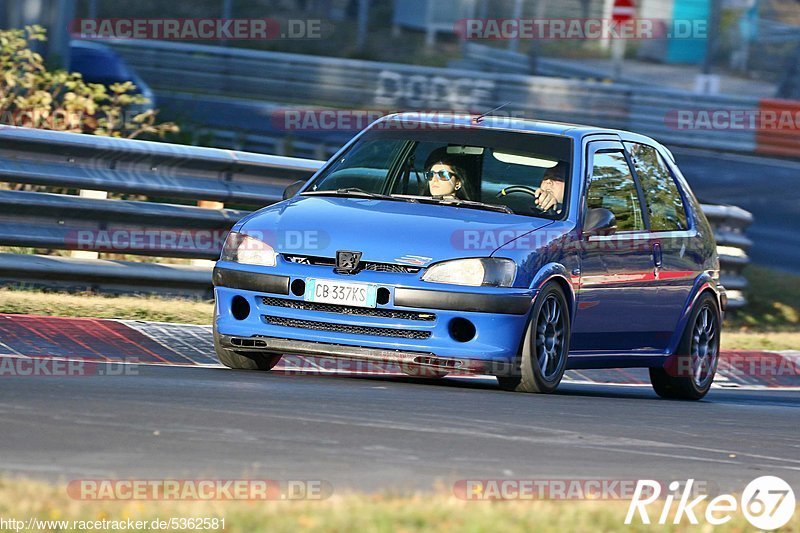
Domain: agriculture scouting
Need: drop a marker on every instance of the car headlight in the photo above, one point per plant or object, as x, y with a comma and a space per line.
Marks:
248, 250
474, 272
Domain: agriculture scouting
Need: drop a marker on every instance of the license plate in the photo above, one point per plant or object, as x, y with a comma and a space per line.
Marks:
335, 292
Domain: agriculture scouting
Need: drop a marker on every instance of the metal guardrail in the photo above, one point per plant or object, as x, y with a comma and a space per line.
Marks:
59, 159
206, 71
162, 229
729, 224
493, 59
160, 171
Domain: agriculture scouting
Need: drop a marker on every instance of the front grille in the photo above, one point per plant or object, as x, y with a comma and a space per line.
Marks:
347, 328
364, 265
348, 310
310, 260
391, 267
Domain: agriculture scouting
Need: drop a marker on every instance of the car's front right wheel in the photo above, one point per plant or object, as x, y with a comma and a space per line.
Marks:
543, 357
688, 374
254, 361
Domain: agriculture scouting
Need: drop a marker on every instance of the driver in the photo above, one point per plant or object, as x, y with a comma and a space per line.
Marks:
445, 179
550, 194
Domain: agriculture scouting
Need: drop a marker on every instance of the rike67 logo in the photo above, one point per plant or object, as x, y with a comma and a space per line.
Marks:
767, 502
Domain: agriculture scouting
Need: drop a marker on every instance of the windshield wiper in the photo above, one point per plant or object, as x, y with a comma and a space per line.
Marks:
358, 192
456, 202
348, 191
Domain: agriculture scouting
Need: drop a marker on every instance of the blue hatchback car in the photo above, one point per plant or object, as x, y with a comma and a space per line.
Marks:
498, 246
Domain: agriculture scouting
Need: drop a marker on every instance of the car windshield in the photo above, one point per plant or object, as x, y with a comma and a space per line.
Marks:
467, 167
99, 66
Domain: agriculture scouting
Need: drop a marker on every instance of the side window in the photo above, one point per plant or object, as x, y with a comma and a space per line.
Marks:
664, 201
612, 187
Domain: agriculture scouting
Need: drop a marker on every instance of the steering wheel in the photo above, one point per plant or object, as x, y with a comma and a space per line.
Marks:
520, 189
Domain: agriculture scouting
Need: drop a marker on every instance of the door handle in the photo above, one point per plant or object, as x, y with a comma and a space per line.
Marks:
657, 255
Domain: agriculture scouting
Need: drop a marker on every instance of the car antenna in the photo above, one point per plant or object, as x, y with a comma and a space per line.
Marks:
479, 118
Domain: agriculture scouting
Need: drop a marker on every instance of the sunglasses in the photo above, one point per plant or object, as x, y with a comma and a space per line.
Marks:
443, 175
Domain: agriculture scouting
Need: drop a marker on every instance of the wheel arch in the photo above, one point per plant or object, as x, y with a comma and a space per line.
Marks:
557, 273
704, 284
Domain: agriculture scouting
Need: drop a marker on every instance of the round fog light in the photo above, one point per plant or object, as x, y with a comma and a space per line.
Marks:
461, 329
298, 287
383, 295
240, 309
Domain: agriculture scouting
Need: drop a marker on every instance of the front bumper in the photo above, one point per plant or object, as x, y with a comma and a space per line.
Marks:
415, 326
401, 358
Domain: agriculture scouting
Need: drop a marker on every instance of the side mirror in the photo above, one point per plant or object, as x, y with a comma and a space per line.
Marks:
292, 189
599, 221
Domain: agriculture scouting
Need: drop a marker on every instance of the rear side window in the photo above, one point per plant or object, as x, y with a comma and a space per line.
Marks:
612, 187
664, 201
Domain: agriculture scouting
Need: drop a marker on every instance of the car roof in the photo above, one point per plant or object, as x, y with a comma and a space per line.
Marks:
522, 125
81, 45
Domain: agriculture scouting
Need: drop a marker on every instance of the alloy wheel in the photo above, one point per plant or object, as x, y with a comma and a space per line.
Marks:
705, 346
550, 326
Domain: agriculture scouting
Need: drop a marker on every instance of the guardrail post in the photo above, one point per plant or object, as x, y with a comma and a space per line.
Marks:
87, 193
207, 204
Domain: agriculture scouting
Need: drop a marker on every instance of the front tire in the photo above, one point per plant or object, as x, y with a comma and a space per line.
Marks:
416, 371
254, 361
545, 347
689, 374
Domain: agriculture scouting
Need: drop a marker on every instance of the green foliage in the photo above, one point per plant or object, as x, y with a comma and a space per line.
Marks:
35, 97
773, 301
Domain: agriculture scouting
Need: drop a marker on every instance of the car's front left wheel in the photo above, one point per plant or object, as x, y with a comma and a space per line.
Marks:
545, 346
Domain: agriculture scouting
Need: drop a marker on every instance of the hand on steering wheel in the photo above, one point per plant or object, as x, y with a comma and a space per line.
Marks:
544, 200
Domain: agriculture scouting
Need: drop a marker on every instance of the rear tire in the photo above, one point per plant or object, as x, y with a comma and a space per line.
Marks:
697, 356
545, 346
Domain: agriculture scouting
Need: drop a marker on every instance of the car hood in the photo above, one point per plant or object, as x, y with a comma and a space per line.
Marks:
384, 231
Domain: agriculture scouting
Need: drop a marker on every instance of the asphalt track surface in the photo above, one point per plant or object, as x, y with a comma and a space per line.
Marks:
373, 433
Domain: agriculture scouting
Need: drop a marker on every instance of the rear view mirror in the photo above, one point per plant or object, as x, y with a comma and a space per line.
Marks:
599, 221
293, 189
465, 150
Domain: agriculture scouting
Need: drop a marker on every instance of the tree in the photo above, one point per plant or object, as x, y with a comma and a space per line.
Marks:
35, 97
